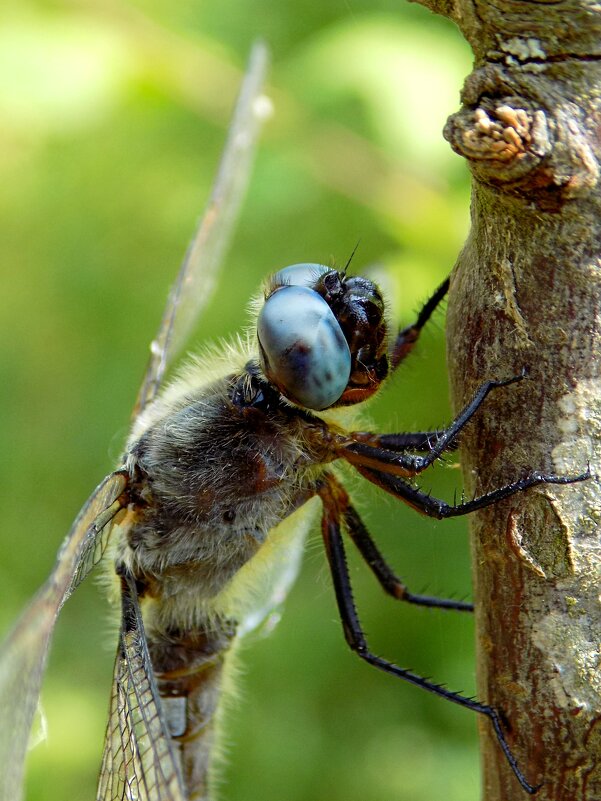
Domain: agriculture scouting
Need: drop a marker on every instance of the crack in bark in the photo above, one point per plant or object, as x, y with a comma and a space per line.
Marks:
506, 274
563, 58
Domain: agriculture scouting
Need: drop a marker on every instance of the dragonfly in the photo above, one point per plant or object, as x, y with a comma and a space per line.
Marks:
226, 468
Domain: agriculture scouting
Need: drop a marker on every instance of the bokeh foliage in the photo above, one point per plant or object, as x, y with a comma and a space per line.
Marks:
113, 119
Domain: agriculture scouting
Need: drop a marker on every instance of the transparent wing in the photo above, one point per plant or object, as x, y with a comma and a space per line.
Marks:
97, 534
24, 652
281, 570
138, 761
198, 274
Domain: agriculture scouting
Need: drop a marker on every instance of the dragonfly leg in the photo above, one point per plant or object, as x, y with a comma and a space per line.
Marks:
434, 507
382, 451
420, 441
386, 577
353, 632
407, 337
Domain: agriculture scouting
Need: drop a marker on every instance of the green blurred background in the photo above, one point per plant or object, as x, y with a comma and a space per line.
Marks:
113, 119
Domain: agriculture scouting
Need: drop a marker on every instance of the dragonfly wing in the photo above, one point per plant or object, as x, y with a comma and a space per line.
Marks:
198, 274
138, 762
24, 653
76, 559
280, 570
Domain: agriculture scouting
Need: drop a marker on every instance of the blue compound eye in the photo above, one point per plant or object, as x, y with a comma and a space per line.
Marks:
303, 350
299, 275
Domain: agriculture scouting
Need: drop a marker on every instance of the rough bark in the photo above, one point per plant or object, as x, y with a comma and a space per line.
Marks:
526, 291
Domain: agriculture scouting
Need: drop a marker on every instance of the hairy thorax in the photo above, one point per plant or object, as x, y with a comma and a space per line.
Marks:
214, 476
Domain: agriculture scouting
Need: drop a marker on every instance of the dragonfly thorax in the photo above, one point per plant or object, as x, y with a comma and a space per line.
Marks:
214, 476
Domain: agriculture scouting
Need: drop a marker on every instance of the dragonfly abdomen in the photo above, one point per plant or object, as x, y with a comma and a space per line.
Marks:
188, 667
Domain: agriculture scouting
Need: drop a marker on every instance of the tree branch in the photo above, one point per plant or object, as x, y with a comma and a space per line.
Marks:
526, 291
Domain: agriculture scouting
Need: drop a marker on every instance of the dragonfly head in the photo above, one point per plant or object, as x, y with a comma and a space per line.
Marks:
322, 336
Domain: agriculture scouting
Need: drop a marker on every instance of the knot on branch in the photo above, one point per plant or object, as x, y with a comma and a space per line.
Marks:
500, 135
524, 150
504, 141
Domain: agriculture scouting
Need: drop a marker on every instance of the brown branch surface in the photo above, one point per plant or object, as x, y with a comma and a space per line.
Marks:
526, 291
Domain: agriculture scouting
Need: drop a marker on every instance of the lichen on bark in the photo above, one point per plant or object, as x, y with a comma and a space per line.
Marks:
526, 292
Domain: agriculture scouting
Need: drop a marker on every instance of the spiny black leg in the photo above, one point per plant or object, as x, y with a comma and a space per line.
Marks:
410, 441
388, 580
362, 453
407, 338
434, 507
356, 639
